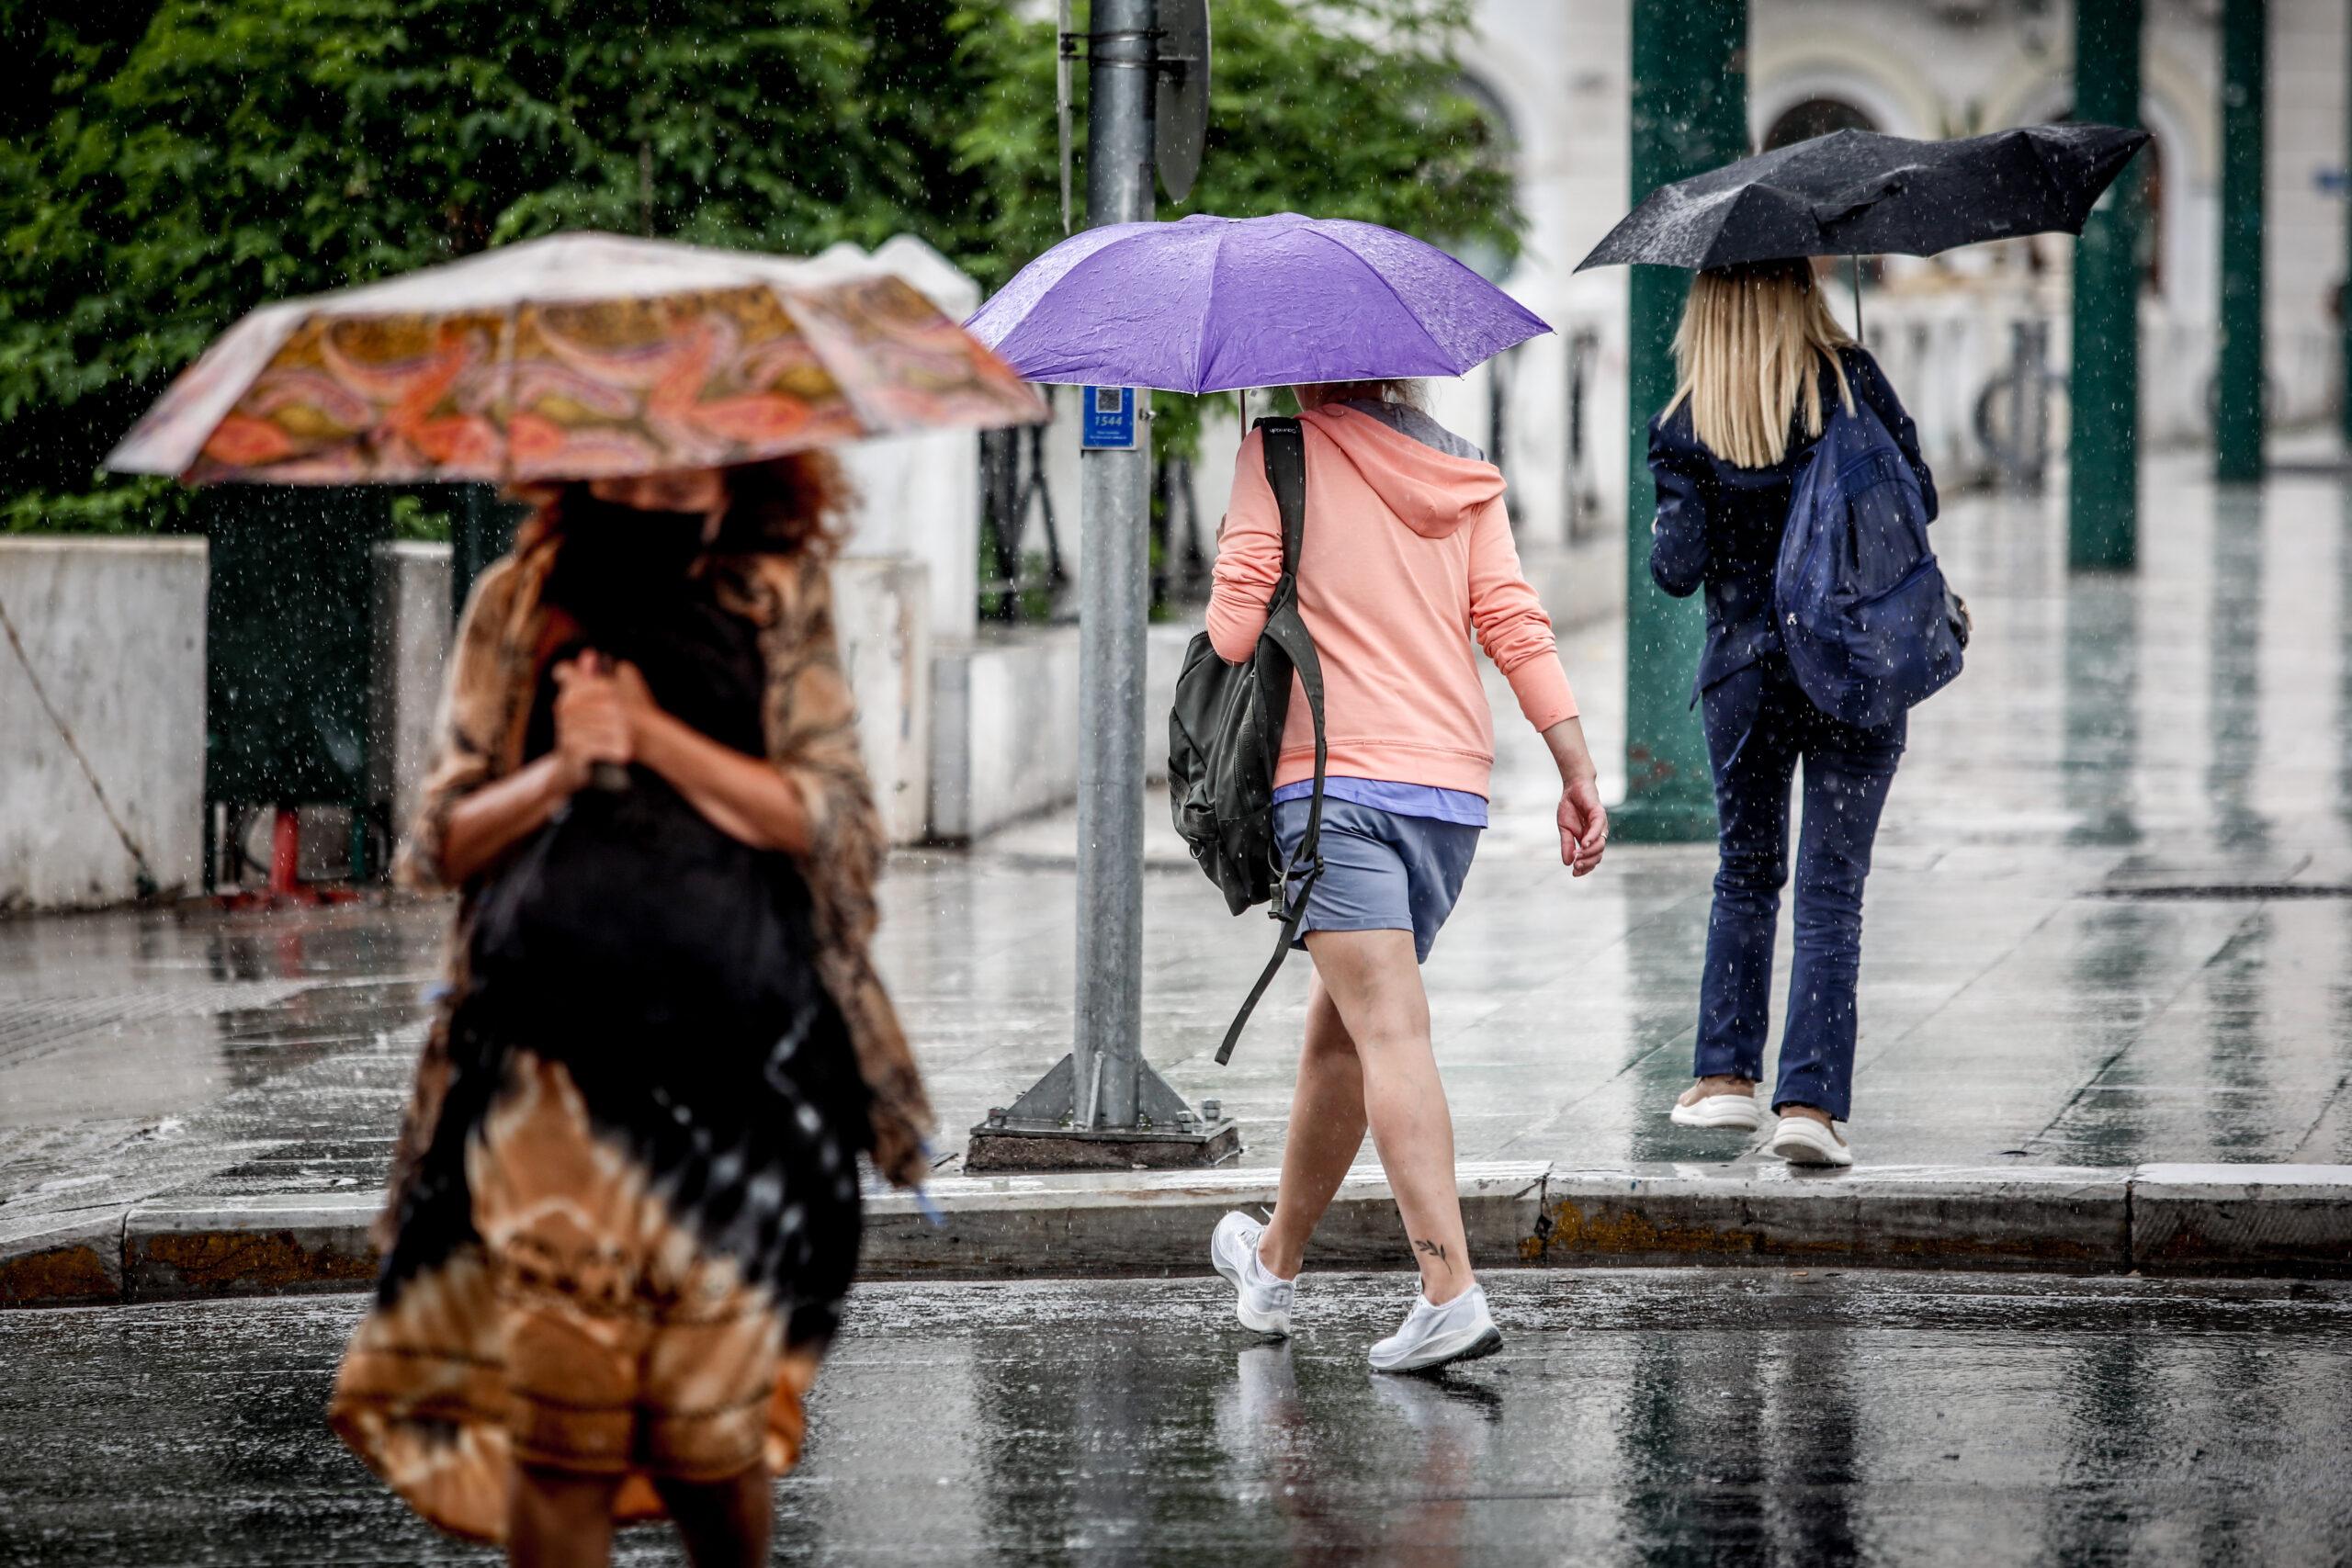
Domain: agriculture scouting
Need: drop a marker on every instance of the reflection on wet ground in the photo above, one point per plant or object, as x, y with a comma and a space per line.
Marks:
1651, 1417
2110, 922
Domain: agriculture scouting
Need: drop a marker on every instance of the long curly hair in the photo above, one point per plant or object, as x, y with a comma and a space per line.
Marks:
790, 506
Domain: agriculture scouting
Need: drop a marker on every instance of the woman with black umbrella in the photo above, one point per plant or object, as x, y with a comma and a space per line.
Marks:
1759, 356
1760, 360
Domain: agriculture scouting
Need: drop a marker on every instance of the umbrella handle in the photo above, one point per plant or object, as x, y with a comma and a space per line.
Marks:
605, 778
1857, 260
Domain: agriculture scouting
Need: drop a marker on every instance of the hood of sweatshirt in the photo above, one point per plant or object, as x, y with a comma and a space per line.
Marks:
1435, 493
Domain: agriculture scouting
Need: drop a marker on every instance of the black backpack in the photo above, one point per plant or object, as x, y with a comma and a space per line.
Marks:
1226, 733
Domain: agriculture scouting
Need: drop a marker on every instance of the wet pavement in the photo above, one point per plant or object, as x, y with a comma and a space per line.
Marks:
2111, 923
1651, 1417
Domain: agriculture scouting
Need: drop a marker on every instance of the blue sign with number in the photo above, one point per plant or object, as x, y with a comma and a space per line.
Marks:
1110, 419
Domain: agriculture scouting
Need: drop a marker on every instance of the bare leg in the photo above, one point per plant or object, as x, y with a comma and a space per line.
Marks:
559, 1518
1327, 1127
1376, 986
725, 1523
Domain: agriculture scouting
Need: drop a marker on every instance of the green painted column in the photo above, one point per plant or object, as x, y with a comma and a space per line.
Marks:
1688, 114
2238, 414
2103, 500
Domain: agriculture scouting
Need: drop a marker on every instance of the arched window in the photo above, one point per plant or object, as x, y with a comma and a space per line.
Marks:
1819, 116
1499, 152
1815, 116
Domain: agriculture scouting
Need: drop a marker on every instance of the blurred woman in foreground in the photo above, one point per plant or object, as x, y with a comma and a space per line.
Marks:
625, 1201
1407, 553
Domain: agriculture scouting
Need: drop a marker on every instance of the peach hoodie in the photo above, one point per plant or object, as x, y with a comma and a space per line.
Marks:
1408, 554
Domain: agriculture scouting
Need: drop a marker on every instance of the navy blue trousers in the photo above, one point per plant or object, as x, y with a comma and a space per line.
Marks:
1759, 726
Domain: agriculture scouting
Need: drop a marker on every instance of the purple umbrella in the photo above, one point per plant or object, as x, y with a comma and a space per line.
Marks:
1215, 304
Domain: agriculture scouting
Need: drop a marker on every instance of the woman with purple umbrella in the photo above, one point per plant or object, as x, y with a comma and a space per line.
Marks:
1405, 554
1407, 542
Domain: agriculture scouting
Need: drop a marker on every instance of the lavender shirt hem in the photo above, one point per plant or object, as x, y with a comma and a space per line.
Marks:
1456, 806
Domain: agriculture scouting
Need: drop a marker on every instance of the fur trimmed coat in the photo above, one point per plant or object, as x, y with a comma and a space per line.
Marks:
811, 726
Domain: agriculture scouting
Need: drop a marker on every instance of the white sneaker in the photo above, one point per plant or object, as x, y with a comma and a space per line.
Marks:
1735, 1110
1801, 1140
1261, 1300
1433, 1336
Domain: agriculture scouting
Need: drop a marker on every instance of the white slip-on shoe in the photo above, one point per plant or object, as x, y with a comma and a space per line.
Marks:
1434, 1337
1801, 1140
1734, 1111
1261, 1300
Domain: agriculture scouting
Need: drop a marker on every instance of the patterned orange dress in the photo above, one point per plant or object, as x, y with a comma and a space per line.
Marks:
623, 1215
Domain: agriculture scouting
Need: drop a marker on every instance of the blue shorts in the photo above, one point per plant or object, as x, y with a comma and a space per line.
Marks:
1381, 872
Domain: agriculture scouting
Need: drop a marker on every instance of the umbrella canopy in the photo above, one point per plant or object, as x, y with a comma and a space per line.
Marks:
1858, 193
576, 357
1217, 304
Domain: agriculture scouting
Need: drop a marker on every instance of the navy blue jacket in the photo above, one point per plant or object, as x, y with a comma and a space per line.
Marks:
1721, 526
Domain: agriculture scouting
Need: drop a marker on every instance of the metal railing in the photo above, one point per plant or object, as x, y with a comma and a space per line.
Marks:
1022, 577
1179, 567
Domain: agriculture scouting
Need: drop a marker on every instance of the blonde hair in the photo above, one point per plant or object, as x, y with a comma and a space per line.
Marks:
1748, 355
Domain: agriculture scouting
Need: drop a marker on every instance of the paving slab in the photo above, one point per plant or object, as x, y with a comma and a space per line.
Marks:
272, 1244
2237, 1219
1158, 1222
63, 1260
2044, 1218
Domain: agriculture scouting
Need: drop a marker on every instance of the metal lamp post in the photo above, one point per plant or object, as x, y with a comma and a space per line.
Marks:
1102, 1106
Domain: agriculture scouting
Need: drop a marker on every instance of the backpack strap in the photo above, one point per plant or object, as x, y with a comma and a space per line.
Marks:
1287, 474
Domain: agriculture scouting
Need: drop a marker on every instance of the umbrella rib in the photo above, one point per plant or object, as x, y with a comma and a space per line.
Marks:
506, 392
1406, 305
1739, 201
1208, 311
2054, 187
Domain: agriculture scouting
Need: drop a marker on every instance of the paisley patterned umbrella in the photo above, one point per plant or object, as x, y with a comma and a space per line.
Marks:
576, 357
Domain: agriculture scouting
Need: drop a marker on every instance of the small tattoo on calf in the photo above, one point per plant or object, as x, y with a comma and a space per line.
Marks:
1434, 1250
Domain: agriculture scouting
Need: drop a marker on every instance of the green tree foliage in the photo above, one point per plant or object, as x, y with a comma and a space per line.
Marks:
1340, 109
167, 166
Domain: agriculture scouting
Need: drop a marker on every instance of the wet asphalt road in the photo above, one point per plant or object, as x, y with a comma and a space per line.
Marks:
1650, 1417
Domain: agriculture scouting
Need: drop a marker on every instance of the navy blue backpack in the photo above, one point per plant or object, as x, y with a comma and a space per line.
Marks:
1868, 624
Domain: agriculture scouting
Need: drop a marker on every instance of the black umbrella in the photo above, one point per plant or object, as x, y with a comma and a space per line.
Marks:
1858, 193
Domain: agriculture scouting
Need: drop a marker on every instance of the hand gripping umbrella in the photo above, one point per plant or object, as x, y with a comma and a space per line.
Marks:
1857, 193
1220, 304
